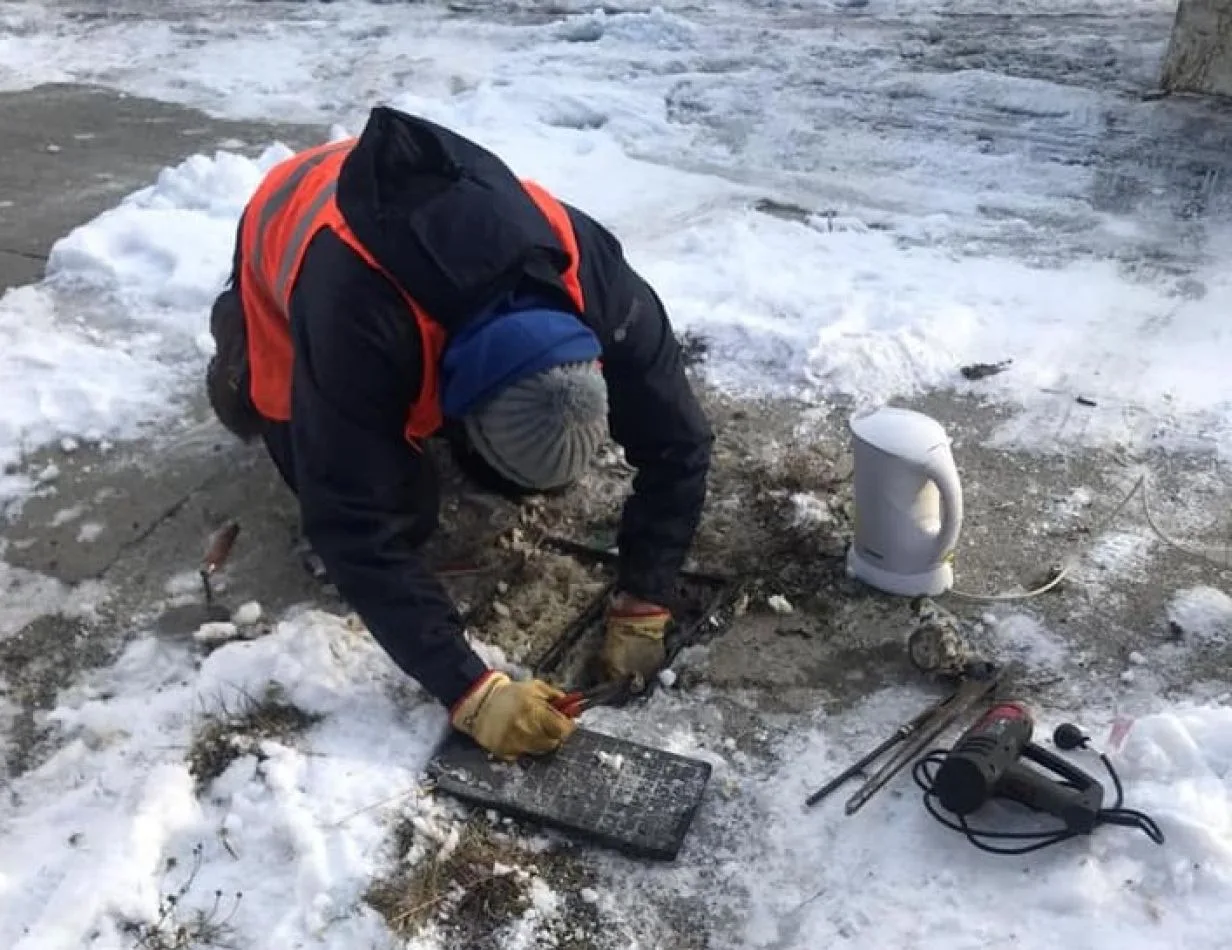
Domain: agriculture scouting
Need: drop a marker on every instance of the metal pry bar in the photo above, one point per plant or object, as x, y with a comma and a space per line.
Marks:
901, 734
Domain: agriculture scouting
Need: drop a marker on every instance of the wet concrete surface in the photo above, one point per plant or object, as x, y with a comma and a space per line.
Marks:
70, 152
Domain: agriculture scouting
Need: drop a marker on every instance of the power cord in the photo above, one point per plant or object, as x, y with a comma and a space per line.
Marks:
1070, 561
925, 771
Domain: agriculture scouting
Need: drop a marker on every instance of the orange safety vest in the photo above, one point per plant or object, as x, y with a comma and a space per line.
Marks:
293, 202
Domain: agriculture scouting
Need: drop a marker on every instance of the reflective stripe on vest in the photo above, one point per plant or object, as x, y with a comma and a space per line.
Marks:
276, 202
293, 203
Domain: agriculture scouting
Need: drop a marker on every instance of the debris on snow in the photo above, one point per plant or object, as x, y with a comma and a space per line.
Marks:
216, 631
490, 883
1136, 658
1202, 613
246, 614
237, 730
610, 760
977, 371
779, 604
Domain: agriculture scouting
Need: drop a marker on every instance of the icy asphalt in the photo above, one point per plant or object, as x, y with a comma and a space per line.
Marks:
1162, 163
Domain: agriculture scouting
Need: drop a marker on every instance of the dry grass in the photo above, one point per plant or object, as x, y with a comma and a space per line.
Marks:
178, 928
471, 894
238, 729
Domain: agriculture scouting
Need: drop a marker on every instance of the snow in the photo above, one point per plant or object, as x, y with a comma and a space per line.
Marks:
301, 826
247, 613
305, 827
779, 604
90, 531
890, 876
1025, 638
215, 631
26, 594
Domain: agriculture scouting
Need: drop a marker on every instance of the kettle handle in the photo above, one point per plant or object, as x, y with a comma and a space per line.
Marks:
943, 474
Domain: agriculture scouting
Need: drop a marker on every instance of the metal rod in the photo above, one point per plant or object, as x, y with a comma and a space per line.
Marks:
568, 546
856, 767
574, 632
902, 732
966, 696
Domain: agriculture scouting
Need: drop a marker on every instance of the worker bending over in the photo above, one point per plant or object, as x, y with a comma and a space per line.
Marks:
404, 285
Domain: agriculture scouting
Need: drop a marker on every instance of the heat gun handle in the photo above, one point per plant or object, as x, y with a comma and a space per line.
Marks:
1076, 801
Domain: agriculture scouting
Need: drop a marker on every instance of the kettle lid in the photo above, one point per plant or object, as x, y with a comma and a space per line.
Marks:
903, 433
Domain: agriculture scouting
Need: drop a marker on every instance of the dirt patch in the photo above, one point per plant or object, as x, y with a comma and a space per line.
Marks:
239, 729
476, 890
778, 506
36, 663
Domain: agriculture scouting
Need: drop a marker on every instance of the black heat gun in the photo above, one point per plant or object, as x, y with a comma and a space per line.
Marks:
996, 759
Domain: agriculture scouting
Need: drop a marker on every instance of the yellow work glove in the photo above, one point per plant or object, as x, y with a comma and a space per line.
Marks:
511, 719
633, 641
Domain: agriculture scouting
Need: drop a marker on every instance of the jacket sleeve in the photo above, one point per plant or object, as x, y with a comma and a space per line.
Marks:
654, 415
368, 499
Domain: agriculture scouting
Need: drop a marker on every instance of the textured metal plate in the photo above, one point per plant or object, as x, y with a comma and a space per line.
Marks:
643, 808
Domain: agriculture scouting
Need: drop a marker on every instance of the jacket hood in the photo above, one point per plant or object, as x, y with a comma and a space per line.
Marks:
444, 216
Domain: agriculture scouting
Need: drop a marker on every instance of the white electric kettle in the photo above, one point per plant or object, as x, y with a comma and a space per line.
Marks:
908, 503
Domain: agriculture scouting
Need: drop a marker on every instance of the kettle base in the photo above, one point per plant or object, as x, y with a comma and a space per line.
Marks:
930, 583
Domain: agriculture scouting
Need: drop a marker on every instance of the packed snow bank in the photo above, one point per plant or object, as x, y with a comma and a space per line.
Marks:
118, 331
89, 834
890, 876
164, 250
863, 307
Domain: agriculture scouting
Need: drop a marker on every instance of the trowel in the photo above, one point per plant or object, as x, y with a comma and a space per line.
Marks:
185, 619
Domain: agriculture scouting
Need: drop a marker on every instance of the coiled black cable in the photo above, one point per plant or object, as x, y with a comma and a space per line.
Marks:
925, 770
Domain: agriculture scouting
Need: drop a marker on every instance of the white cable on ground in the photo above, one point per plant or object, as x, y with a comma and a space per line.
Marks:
1197, 554
1070, 561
